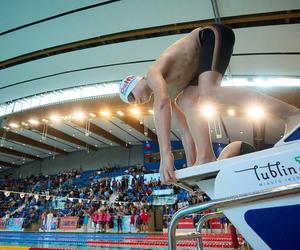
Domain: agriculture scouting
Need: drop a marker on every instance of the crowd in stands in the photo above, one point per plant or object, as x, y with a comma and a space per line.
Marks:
99, 196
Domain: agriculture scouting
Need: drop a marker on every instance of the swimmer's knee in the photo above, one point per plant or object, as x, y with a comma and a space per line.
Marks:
209, 83
187, 98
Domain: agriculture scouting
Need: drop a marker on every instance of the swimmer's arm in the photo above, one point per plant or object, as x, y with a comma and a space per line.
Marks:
162, 119
179, 119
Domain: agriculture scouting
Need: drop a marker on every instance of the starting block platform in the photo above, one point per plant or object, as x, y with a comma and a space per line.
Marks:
258, 192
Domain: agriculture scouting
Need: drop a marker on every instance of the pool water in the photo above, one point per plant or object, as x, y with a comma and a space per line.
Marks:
69, 240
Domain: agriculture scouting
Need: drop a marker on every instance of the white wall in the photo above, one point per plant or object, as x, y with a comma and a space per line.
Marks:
93, 160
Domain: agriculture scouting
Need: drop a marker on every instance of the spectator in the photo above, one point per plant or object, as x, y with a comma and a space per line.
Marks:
101, 221
119, 219
140, 221
85, 221
95, 220
43, 221
49, 220
6, 219
132, 219
145, 219
106, 219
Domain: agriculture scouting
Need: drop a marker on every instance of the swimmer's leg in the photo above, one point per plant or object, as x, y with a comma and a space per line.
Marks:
188, 101
179, 119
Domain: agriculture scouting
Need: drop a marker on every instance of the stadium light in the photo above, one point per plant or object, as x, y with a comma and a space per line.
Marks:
208, 110
55, 118
105, 113
255, 112
135, 111
79, 115
14, 125
33, 122
231, 112
120, 113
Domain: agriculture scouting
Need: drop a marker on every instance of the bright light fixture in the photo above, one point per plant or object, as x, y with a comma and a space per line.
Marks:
55, 118
112, 89
105, 113
135, 111
208, 110
231, 112
79, 115
33, 122
13, 125
120, 113
151, 111
255, 112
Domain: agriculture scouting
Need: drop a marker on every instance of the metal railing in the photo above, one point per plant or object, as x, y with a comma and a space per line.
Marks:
227, 202
201, 222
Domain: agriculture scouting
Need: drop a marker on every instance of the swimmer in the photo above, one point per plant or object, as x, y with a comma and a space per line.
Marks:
188, 74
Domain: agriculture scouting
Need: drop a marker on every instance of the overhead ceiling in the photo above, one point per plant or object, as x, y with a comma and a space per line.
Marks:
51, 45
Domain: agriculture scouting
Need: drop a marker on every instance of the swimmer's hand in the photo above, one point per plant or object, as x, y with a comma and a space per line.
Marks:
167, 169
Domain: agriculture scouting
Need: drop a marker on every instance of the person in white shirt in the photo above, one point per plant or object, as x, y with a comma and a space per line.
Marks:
6, 219
49, 220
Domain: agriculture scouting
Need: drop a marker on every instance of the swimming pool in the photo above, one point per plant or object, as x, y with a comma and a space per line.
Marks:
92, 241
13, 240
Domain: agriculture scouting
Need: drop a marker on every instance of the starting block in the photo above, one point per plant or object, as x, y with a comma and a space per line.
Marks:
271, 223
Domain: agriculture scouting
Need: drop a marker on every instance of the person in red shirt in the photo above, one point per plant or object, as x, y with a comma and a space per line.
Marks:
106, 220
140, 220
132, 219
43, 219
100, 220
145, 219
95, 220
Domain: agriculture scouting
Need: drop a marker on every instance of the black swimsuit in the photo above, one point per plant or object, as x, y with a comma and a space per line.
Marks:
217, 42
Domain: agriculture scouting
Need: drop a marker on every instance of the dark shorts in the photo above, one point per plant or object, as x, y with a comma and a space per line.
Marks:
217, 42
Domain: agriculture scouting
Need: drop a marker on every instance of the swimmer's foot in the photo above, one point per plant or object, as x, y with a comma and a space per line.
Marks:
291, 122
203, 161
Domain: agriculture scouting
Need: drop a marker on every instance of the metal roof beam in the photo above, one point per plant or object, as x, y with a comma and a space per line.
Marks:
19, 154
6, 164
61, 135
103, 133
25, 140
139, 127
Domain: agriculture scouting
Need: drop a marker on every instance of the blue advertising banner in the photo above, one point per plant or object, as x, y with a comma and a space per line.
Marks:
15, 224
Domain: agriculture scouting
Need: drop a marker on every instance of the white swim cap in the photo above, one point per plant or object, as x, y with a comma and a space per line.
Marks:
127, 85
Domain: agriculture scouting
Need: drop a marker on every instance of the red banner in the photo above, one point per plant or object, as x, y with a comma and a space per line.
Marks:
185, 223
68, 222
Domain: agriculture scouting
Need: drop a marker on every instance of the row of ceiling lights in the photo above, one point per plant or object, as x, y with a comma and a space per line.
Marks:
208, 110
78, 115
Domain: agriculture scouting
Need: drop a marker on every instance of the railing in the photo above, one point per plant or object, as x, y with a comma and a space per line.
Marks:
226, 202
201, 222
